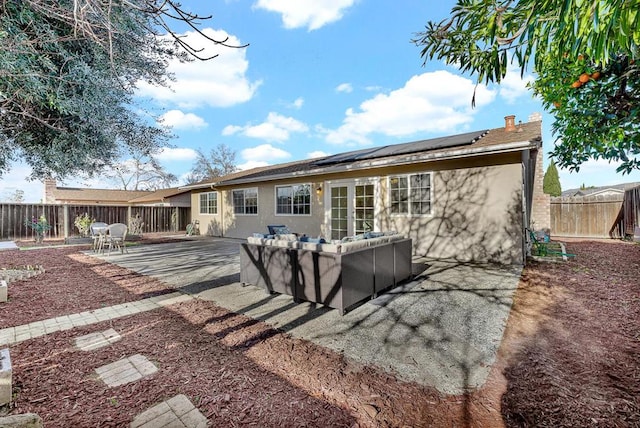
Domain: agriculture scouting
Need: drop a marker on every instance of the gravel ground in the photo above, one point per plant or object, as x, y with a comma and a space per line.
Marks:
570, 355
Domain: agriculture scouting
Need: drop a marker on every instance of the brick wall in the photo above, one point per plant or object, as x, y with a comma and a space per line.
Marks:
541, 209
49, 189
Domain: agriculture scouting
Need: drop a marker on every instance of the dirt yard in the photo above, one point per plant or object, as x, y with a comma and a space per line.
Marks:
570, 355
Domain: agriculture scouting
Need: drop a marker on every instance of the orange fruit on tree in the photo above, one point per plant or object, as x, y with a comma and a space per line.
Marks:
595, 75
576, 84
584, 77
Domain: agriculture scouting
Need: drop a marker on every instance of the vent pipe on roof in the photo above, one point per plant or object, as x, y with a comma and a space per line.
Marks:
510, 123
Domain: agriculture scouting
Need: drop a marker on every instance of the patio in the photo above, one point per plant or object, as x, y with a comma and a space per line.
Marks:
442, 329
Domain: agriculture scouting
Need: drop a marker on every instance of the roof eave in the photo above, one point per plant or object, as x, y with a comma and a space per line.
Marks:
198, 186
380, 163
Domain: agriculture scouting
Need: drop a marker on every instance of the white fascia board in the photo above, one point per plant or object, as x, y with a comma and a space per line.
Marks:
198, 186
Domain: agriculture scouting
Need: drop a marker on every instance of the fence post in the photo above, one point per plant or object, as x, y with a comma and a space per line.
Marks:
65, 218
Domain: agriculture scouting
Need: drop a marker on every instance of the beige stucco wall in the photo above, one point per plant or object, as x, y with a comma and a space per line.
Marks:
476, 215
210, 224
477, 211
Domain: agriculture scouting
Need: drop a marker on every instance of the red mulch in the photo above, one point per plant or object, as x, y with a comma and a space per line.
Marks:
569, 357
581, 367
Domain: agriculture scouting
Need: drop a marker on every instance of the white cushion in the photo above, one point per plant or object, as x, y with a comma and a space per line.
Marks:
285, 244
286, 237
329, 248
354, 245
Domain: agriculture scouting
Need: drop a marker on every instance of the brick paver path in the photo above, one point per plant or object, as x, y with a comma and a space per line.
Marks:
12, 335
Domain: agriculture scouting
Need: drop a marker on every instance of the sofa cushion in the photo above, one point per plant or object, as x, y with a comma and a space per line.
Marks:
278, 229
354, 245
286, 237
285, 244
255, 240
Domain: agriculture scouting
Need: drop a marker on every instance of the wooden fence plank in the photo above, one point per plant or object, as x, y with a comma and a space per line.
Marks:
155, 218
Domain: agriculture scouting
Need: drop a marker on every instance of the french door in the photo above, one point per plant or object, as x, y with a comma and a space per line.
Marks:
352, 208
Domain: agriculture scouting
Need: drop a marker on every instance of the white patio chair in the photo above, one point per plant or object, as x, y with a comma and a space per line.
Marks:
115, 237
97, 231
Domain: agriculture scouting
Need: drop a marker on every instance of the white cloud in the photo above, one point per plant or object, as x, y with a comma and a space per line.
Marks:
344, 87
275, 128
264, 153
431, 102
177, 154
513, 86
298, 103
16, 179
219, 82
179, 120
317, 154
595, 173
251, 164
306, 13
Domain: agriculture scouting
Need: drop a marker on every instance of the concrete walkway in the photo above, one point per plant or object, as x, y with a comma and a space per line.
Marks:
12, 335
442, 329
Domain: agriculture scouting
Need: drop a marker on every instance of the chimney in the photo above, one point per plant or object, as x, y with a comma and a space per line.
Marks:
535, 117
49, 189
510, 123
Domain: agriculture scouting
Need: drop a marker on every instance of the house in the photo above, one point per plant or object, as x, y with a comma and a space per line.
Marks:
172, 197
614, 189
87, 196
466, 196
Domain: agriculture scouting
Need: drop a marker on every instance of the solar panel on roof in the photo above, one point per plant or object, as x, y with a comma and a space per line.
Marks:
402, 149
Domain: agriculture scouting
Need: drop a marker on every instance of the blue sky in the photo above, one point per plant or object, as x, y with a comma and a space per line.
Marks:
322, 77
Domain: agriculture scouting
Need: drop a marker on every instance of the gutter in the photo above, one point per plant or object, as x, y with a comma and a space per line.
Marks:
379, 163
197, 186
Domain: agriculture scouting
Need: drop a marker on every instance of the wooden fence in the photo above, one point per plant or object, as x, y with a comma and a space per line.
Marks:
628, 219
61, 218
584, 216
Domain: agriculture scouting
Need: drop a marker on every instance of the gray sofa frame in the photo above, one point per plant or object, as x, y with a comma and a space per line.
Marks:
337, 280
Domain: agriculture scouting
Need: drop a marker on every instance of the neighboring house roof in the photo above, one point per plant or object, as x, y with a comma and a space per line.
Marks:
592, 191
102, 196
160, 195
525, 135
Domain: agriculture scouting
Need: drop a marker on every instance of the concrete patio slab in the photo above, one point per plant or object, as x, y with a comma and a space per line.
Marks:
175, 412
126, 370
442, 329
8, 245
97, 340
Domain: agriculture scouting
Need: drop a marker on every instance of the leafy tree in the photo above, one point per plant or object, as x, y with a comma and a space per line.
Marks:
68, 72
220, 161
551, 181
564, 41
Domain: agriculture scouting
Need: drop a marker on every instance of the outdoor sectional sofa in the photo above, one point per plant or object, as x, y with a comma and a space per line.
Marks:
338, 275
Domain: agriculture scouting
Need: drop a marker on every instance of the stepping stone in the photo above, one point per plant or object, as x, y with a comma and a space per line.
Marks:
126, 370
97, 340
176, 412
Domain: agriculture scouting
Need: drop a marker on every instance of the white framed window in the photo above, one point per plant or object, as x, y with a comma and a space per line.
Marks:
245, 201
209, 203
293, 200
410, 194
